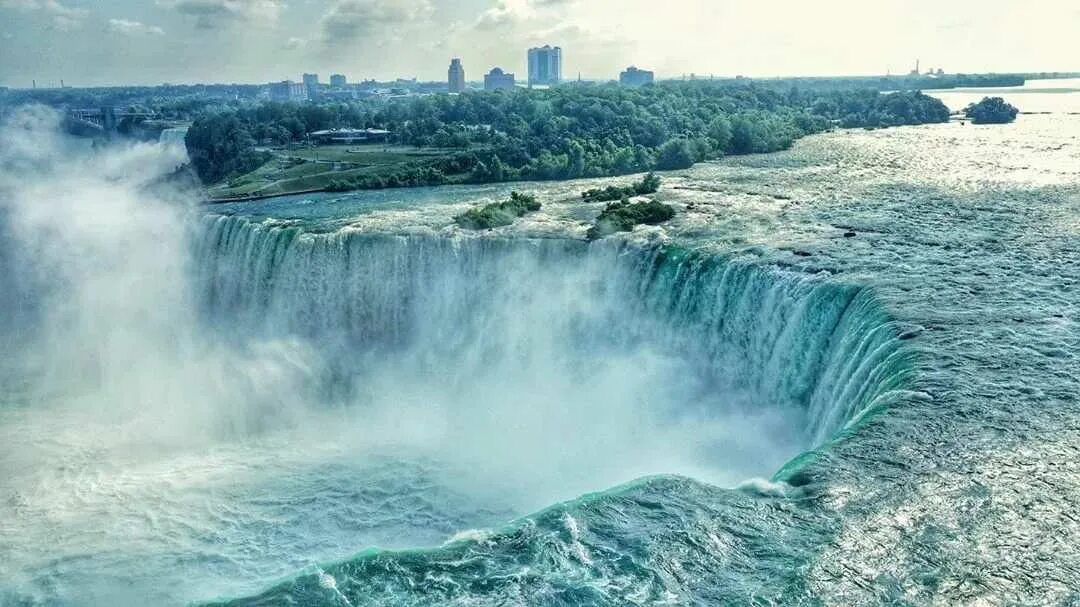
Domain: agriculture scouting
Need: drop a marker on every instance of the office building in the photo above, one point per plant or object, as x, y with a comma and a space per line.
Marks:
498, 80
456, 76
350, 136
311, 83
338, 81
287, 90
635, 77
545, 66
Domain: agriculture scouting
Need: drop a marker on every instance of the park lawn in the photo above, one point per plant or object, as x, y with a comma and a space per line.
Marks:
296, 170
367, 154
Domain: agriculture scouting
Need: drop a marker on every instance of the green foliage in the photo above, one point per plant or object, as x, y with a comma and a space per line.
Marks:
991, 110
622, 216
498, 214
222, 147
676, 154
650, 184
414, 176
565, 132
895, 109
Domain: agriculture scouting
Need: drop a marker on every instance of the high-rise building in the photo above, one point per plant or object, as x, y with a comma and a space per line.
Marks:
498, 80
338, 81
456, 76
311, 83
545, 65
635, 77
287, 90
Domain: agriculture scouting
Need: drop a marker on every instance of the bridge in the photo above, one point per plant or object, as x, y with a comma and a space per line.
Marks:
105, 120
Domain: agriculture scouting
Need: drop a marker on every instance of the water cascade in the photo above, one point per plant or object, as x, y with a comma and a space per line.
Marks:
820, 351
597, 363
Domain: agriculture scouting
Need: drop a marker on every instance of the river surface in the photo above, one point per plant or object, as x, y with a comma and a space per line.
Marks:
843, 374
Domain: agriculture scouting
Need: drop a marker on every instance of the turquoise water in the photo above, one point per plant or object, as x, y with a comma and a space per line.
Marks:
844, 374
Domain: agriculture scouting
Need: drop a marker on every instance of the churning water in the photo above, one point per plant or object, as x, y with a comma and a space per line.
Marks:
845, 373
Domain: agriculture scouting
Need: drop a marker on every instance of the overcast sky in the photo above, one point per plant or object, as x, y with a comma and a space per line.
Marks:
93, 42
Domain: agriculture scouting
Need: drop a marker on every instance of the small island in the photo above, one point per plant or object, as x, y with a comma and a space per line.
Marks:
991, 110
498, 214
622, 216
650, 184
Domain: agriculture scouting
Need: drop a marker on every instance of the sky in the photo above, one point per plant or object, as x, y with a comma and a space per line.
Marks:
105, 42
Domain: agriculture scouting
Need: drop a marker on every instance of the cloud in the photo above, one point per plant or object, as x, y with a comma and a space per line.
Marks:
209, 14
63, 18
133, 28
497, 17
352, 19
507, 12
294, 43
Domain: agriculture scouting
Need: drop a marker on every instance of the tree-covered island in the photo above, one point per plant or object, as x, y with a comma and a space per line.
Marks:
991, 110
560, 133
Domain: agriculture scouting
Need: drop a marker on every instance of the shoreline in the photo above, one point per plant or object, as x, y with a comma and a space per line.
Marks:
209, 201
214, 201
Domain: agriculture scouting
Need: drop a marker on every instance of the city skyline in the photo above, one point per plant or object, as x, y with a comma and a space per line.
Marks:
107, 42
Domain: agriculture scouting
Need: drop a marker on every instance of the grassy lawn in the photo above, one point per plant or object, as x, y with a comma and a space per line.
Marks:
298, 170
366, 154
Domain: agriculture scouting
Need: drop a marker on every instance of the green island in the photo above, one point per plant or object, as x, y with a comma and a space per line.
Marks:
623, 215
991, 110
650, 184
266, 148
498, 214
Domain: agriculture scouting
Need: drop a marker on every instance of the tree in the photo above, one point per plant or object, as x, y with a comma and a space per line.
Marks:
991, 110
720, 133
675, 154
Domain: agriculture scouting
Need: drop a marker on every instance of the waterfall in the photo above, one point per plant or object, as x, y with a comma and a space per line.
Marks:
820, 349
173, 135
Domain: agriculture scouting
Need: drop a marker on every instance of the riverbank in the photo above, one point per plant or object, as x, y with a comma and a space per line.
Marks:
317, 168
333, 181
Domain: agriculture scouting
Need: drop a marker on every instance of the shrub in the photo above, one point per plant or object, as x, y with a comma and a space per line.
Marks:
341, 185
498, 214
650, 184
622, 216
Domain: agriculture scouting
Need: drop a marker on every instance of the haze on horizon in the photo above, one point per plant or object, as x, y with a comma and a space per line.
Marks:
102, 42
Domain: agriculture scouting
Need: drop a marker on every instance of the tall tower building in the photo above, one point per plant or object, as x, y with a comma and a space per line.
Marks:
338, 81
545, 65
456, 76
311, 83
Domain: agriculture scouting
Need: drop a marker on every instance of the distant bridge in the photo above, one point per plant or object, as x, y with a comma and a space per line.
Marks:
105, 119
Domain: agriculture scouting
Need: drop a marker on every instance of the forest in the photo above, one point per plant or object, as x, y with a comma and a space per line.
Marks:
559, 133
